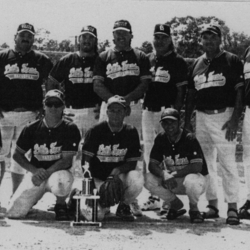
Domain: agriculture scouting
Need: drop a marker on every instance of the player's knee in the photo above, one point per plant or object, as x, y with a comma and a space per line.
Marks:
150, 181
136, 178
195, 184
60, 183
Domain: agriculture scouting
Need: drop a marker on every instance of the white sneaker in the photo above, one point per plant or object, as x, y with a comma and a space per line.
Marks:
135, 209
152, 204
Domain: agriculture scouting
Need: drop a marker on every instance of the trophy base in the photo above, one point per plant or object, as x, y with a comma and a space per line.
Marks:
83, 223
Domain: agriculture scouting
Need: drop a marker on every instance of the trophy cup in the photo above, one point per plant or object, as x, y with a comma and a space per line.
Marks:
88, 193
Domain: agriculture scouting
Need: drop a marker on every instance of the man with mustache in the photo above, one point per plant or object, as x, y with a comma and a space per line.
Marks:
22, 74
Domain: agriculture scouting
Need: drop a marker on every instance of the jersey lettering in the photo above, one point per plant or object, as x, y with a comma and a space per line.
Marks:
13, 72
111, 154
213, 80
176, 164
115, 70
160, 75
42, 153
247, 70
76, 75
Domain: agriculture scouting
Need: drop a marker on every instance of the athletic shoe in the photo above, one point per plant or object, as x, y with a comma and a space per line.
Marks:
135, 209
244, 211
164, 209
124, 212
61, 212
152, 204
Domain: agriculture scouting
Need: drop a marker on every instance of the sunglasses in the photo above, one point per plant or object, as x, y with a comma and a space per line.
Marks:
54, 104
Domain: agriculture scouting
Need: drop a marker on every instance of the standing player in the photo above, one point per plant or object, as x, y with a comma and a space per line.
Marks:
176, 166
74, 74
244, 211
53, 142
22, 72
217, 82
113, 148
168, 88
122, 71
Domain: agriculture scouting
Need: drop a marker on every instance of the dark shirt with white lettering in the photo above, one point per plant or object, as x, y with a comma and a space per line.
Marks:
76, 75
48, 144
109, 150
21, 79
122, 71
216, 81
168, 73
179, 154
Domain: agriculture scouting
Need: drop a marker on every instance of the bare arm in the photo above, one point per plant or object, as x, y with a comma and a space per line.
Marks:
101, 90
190, 104
52, 83
181, 92
231, 126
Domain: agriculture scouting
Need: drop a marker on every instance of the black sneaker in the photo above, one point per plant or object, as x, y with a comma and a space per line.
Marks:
124, 212
244, 211
61, 212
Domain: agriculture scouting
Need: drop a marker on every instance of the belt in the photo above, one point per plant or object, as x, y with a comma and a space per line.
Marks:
215, 111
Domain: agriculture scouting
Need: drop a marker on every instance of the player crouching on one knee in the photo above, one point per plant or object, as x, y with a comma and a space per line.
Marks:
53, 142
112, 149
177, 166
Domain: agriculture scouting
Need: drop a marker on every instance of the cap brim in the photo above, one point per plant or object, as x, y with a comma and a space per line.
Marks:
27, 31
169, 117
210, 31
120, 28
123, 105
47, 98
87, 32
161, 33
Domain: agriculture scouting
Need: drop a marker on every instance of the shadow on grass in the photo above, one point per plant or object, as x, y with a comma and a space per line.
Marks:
142, 226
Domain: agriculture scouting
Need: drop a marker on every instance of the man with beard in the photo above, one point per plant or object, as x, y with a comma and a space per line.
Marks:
123, 71
22, 73
74, 74
167, 89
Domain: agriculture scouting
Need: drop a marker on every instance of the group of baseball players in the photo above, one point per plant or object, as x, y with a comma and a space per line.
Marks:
90, 111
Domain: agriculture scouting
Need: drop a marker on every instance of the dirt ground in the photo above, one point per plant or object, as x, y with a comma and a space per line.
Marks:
40, 231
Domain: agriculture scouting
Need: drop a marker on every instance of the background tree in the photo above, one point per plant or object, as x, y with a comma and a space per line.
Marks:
4, 46
103, 45
66, 45
41, 38
186, 35
146, 47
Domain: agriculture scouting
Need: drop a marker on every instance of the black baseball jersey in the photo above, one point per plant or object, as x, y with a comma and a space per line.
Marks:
76, 73
109, 150
216, 81
247, 76
168, 73
179, 154
122, 71
47, 144
21, 79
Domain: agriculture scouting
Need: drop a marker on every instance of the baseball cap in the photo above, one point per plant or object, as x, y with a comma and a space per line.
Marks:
56, 94
163, 29
26, 27
122, 25
212, 29
90, 30
117, 99
170, 113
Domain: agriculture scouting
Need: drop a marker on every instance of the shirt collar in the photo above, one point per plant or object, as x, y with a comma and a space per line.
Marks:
178, 137
166, 54
116, 50
57, 125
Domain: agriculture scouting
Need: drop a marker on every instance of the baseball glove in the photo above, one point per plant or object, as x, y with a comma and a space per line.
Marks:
111, 191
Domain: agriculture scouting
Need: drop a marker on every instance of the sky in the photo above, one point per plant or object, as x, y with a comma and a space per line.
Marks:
65, 18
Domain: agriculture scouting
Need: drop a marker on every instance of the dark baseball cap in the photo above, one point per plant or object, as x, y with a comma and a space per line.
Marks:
26, 27
117, 99
170, 113
56, 94
162, 29
212, 29
122, 25
90, 30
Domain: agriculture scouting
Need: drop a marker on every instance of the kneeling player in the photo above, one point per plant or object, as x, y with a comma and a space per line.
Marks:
177, 166
112, 149
53, 143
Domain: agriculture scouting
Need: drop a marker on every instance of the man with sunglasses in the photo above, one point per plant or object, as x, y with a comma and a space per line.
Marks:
22, 74
53, 142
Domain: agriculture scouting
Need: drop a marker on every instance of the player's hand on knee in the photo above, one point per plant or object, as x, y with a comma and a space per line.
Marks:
169, 184
39, 176
68, 116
